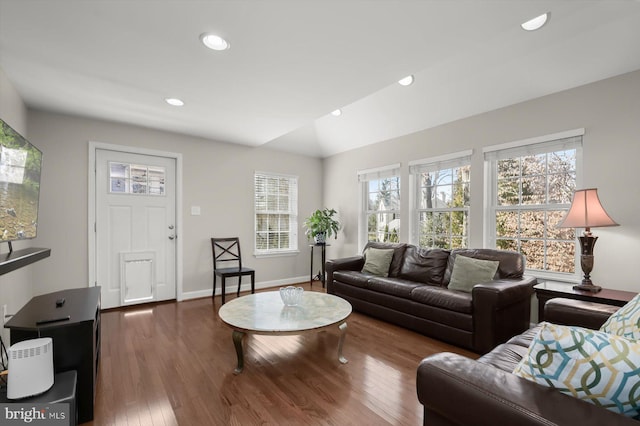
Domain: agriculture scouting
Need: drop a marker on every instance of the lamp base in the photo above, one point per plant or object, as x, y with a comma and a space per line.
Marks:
587, 287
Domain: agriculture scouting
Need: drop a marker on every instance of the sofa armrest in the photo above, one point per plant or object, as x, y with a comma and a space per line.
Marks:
505, 292
577, 312
354, 263
460, 391
501, 309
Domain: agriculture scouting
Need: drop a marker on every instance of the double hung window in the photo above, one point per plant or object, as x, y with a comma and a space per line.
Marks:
276, 213
530, 190
380, 212
440, 214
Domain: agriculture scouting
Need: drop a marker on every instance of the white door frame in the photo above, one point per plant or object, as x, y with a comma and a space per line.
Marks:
93, 146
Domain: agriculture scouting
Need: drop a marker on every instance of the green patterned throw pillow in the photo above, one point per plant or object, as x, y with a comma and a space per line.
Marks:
596, 367
625, 321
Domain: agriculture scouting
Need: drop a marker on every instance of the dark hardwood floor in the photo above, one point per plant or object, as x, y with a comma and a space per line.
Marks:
172, 364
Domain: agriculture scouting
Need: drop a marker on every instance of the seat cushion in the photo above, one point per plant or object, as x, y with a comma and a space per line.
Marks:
443, 298
354, 278
424, 265
504, 357
392, 286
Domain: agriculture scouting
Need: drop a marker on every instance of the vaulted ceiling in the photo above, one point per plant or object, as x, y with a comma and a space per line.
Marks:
292, 62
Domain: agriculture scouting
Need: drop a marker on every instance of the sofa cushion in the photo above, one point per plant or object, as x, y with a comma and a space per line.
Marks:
392, 286
424, 265
354, 278
468, 272
504, 357
377, 261
596, 367
625, 321
511, 264
398, 254
443, 298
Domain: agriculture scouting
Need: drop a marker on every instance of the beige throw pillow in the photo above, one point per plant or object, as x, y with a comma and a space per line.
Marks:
468, 272
377, 261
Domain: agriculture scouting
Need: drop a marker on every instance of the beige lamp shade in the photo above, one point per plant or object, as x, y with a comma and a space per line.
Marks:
586, 211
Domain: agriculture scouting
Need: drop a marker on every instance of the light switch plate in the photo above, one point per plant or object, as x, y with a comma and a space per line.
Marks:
195, 210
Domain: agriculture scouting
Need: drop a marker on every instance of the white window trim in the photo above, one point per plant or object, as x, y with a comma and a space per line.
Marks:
365, 176
293, 236
490, 184
429, 164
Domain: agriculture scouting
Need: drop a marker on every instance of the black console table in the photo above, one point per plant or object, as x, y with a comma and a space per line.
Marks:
76, 336
547, 290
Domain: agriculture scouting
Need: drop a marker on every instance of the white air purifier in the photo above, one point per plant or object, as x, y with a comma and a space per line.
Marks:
30, 368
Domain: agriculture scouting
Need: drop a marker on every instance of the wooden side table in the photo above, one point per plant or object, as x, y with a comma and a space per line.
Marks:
550, 289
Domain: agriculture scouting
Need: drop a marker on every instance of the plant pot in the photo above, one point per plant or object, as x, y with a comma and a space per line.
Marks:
320, 238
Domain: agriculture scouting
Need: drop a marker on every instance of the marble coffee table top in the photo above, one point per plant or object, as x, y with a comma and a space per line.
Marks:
266, 313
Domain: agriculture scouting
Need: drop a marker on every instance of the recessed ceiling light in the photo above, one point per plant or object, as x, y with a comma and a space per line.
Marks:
337, 112
406, 81
536, 23
214, 42
174, 101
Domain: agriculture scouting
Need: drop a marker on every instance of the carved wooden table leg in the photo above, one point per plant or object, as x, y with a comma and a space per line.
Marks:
343, 333
237, 342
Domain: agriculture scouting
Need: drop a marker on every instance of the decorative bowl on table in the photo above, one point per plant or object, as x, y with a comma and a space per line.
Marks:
291, 296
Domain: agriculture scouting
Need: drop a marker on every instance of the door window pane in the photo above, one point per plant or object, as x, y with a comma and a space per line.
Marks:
136, 179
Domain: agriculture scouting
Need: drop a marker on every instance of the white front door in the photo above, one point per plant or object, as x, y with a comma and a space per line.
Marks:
135, 227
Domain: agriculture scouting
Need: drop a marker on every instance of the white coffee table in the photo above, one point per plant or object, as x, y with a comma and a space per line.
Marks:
264, 313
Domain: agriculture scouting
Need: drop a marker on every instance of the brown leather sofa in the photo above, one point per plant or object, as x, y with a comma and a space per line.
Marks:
415, 294
456, 390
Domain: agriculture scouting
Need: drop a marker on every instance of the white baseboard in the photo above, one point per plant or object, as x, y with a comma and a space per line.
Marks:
231, 288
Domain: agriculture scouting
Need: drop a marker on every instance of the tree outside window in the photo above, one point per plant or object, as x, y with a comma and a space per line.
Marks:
383, 209
443, 207
533, 193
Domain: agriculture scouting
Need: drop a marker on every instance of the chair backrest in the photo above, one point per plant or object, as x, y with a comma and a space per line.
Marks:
226, 250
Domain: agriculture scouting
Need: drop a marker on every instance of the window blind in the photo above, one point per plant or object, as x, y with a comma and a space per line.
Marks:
276, 212
379, 173
434, 164
563, 144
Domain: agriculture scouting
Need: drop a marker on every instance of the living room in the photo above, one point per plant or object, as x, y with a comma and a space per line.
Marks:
218, 178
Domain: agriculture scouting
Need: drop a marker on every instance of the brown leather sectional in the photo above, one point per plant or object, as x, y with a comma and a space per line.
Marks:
415, 294
456, 390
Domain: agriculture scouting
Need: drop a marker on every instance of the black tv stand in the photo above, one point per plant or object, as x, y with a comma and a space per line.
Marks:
76, 339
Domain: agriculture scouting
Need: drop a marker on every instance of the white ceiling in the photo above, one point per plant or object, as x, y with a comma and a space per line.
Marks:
292, 62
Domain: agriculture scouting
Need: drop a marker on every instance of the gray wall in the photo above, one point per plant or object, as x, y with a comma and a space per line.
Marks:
218, 177
15, 287
609, 111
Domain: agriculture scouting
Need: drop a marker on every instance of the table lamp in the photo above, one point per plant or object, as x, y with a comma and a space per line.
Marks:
586, 212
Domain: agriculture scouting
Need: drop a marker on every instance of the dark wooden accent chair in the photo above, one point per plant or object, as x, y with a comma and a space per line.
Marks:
226, 251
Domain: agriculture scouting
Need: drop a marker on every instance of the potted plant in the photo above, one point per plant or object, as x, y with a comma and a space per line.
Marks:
321, 225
